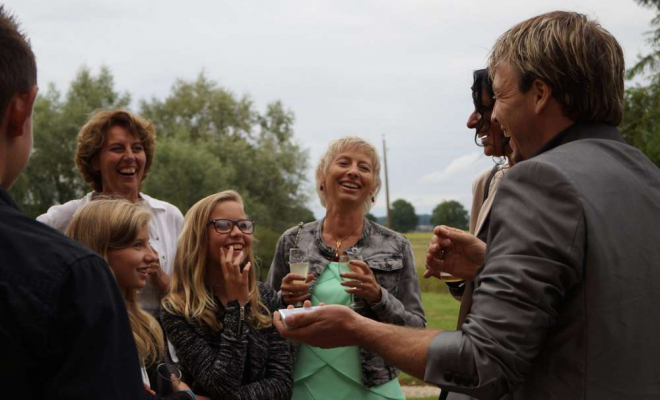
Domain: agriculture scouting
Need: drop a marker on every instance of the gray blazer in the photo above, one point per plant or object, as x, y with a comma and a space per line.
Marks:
565, 306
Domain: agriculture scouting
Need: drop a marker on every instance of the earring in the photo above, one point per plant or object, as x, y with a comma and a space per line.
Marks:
321, 188
373, 199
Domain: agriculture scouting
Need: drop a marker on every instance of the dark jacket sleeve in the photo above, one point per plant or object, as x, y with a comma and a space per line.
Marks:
219, 367
92, 337
534, 258
278, 269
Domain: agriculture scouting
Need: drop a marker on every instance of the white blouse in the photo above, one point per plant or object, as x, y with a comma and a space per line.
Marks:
164, 230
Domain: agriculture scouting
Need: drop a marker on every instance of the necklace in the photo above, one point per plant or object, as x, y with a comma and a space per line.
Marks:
339, 241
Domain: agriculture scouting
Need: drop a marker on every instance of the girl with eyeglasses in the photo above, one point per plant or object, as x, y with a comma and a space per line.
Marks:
217, 315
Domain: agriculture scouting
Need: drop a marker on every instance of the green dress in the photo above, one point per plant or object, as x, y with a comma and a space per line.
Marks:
320, 374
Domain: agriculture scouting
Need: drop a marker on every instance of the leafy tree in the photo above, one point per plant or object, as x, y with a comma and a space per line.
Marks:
371, 217
209, 140
403, 216
232, 146
641, 114
450, 213
51, 176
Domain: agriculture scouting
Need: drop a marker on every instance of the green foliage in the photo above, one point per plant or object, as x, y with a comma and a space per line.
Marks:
215, 141
264, 248
371, 217
51, 176
641, 120
450, 213
641, 104
650, 63
403, 216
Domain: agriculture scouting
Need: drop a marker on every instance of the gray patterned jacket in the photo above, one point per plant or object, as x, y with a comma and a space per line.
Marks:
389, 255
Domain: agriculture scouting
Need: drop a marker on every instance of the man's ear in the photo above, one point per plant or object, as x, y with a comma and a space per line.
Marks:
19, 110
542, 95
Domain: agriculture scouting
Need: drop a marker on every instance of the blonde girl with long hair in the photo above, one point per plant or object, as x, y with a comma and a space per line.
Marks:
118, 230
217, 315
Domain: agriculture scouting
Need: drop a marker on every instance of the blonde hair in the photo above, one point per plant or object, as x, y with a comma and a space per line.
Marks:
335, 148
92, 136
189, 295
114, 223
579, 59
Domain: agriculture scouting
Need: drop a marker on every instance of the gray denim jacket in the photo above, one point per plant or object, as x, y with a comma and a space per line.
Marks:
390, 257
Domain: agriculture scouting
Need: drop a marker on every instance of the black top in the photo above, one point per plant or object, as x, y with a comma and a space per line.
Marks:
64, 330
237, 362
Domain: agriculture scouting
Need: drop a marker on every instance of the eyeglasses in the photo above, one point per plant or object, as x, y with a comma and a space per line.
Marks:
226, 225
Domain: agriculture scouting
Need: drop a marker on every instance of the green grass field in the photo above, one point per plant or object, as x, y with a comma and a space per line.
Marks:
441, 309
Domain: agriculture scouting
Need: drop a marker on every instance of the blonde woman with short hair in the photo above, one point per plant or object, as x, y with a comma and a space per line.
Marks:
217, 315
383, 278
118, 230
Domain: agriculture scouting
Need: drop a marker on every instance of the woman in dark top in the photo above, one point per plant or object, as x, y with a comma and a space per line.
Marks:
217, 316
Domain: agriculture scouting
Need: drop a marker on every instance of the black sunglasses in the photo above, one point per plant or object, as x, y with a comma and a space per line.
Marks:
226, 225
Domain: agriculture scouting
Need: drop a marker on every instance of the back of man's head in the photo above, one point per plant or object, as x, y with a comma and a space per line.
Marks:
581, 61
18, 68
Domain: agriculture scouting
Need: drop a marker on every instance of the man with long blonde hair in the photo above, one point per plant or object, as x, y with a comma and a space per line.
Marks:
564, 306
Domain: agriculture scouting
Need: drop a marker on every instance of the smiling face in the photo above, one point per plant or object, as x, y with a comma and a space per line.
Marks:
121, 162
349, 179
233, 211
490, 134
514, 110
130, 264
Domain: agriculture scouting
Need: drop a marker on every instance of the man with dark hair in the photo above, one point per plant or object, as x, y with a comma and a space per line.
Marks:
64, 330
565, 306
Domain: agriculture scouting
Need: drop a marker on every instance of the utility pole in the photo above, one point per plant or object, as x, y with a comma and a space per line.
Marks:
387, 185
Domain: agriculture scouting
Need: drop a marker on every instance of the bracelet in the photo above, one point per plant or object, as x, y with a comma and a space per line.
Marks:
190, 392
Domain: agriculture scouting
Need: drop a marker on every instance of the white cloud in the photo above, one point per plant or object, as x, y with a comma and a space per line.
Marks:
456, 165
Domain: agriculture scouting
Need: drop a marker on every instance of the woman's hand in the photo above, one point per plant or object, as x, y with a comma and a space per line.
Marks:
294, 288
236, 282
157, 276
178, 385
363, 282
148, 389
455, 252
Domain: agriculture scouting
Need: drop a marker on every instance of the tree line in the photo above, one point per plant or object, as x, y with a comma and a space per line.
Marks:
404, 219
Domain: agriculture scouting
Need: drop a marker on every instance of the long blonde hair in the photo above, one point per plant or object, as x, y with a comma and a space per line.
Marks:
111, 223
189, 295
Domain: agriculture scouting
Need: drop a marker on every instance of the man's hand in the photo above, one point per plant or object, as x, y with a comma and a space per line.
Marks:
455, 252
327, 327
157, 276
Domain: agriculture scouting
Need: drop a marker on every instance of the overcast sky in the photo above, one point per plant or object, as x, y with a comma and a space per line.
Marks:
381, 68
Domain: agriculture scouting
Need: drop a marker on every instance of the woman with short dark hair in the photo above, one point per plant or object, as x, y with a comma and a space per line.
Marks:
114, 154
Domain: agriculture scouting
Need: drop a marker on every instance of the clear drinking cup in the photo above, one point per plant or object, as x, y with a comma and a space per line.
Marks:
344, 266
164, 379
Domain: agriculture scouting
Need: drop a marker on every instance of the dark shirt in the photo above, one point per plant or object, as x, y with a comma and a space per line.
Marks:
64, 330
237, 362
